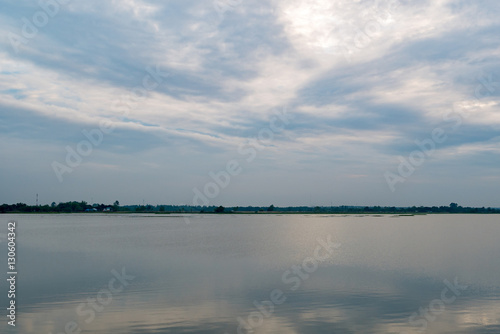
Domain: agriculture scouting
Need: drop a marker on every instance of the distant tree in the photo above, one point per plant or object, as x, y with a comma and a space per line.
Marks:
162, 208
271, 208
140, 208
220, 209
453, 205
53, 205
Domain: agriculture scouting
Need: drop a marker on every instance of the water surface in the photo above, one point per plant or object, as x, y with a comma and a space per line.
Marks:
217, 273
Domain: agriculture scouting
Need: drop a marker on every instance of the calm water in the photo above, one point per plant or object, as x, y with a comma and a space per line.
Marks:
256, 273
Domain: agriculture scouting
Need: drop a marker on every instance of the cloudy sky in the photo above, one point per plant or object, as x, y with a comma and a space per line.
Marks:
313, 102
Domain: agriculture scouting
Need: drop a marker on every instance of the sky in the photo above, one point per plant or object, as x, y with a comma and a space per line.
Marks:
242, 102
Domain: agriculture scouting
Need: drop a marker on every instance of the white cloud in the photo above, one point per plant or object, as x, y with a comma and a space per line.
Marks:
353, 96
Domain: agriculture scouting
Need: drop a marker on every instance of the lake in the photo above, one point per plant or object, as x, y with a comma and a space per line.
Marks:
145, 273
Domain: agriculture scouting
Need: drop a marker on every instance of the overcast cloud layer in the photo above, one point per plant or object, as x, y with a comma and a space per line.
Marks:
186, 85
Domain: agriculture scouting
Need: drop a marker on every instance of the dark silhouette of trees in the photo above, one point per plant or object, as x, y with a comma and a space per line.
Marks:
73, 206
220, 209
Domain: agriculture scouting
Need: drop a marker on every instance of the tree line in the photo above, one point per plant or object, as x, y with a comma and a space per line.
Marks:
66, 207
74, 207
